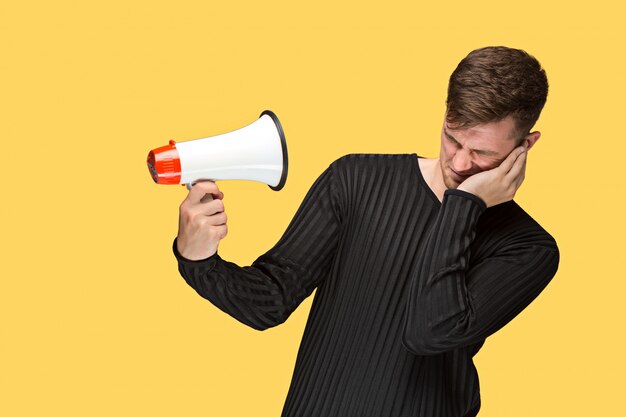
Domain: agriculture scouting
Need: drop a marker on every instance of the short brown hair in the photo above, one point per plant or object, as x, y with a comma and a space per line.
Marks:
494, 82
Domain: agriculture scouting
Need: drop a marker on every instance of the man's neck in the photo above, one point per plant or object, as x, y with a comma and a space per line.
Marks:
431, 171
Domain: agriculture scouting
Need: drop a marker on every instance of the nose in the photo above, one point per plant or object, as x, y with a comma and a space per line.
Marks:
462, 162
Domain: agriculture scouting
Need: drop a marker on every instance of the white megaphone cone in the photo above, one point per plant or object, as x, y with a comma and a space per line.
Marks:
257, 152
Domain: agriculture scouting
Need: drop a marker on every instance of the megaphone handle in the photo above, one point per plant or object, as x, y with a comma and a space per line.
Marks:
206, 198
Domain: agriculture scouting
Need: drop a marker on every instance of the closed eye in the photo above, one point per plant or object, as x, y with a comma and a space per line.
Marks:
451, 139
485, 153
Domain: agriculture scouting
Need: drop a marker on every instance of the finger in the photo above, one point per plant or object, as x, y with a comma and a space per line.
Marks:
207, 209
208, 197
508, 163
518, 166
517, 181
522, 175
199, 189
520, 180
218, 219
221, 231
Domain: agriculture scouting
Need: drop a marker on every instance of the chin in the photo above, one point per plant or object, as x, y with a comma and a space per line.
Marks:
449, 182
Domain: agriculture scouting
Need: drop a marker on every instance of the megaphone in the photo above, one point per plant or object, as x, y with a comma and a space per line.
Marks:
257, 152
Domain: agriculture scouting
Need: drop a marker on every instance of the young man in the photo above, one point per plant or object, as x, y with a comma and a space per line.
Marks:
416, 261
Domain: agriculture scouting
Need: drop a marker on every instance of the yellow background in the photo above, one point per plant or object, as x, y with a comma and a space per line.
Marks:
95, 318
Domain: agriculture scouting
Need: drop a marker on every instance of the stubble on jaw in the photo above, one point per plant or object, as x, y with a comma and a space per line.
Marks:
448, 182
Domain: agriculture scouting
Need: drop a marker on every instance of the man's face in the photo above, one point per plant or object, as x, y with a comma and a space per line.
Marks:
465, 152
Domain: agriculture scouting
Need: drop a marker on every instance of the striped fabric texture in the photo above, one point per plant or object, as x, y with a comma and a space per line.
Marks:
408, 288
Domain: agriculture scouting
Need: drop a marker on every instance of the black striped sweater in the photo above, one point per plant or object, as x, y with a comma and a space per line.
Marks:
408, 288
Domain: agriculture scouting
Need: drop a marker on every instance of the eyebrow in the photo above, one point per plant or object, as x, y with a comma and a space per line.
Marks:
481, 151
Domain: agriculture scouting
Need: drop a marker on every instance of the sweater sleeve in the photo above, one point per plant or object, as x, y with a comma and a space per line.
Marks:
451, 305
265, 293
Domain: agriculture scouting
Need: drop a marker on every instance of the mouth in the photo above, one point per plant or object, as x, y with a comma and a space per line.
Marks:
458, 177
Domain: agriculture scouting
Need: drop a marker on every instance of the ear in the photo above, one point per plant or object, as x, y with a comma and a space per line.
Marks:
530, 139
